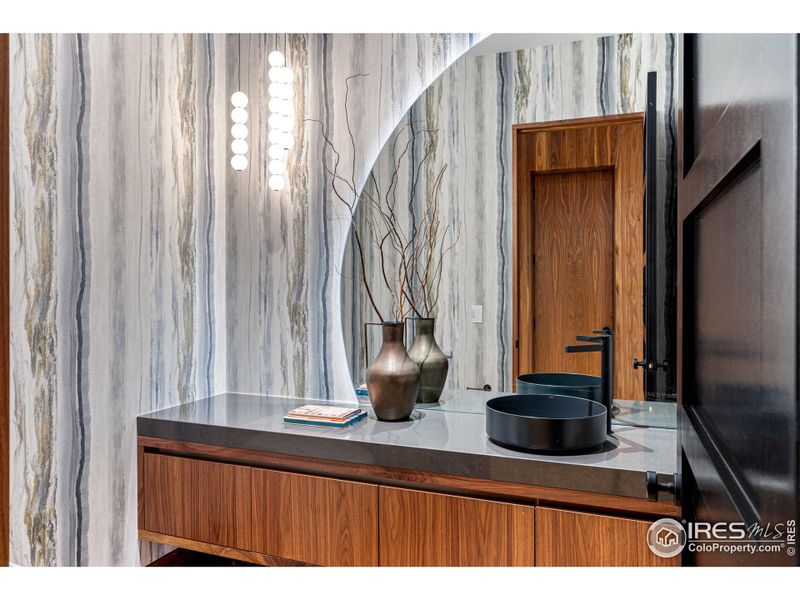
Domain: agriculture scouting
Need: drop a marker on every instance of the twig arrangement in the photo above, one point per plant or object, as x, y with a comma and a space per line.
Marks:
411, 256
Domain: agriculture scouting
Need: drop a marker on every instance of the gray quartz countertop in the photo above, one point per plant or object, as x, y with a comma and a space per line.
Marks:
434, 440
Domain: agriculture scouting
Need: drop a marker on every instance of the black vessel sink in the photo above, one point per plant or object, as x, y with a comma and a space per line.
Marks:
546, 422
562, 384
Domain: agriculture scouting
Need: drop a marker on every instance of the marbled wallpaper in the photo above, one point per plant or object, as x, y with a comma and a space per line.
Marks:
284, 249
473, 105
147, 273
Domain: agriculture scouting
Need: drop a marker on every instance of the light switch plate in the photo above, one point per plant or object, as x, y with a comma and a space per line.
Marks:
476, 313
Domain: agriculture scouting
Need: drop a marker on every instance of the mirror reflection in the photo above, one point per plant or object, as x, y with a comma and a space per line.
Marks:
529, 197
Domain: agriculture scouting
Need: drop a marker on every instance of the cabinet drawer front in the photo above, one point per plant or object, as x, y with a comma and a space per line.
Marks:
429, 529
315, 520
567, 538
196, 499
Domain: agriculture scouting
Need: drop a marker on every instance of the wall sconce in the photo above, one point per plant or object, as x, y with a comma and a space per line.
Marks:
239, 131
281, 118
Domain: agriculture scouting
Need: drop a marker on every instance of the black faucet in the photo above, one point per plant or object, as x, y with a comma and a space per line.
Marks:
603, 342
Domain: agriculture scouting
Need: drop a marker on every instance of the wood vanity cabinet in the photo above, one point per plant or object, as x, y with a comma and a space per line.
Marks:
567, 538
425, 529
255, 507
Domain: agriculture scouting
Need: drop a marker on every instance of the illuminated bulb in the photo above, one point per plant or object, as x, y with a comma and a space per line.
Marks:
286, 140
275, 74
275, 58
274, 90
276, 182
276, 167
275, 137
276, 152
239, 147
238, 162
275, 120
276, 105
239, 115
239, 131
239, 99
287, 75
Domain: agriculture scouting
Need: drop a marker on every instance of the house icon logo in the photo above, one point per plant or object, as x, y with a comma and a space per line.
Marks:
666, 538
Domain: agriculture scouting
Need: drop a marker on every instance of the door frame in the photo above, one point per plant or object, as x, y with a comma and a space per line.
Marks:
521, 242
5, 416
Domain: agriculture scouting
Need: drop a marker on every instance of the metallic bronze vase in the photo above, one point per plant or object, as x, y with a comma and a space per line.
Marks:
393, 378
433, 364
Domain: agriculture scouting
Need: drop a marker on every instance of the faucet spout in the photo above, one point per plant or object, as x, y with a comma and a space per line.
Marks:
584, 348
603, 342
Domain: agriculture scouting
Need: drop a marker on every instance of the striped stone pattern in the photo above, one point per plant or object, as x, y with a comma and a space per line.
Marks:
473, 105
146, 273
118, 166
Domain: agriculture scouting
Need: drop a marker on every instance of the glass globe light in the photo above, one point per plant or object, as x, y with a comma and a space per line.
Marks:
239, 146
277, 182
239, 131
276, 167
274, 90
275, 74
239, 99
275, 120
239, 115
274, 137
276, 58
287, 75
276, 152
238, 162
276, 105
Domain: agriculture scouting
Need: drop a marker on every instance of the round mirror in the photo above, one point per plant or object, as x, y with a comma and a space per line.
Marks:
530, 197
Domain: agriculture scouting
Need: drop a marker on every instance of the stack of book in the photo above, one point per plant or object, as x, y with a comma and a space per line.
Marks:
328, 416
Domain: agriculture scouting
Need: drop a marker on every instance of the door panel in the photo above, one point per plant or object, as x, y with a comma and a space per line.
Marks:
439, 530
737, 361
573, 267
580, 154
566, 538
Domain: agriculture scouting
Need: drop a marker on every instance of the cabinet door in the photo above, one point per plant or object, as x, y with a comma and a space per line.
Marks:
198, 500
428, 529
566, 538
315, 520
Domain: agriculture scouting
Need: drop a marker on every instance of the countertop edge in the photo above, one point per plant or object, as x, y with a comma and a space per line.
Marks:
583, 478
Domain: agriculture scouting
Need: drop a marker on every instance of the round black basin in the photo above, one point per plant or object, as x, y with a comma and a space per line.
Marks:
562, 384
546, 422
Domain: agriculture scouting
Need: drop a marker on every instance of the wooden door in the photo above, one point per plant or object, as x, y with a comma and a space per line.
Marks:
438, 530
316, 520
573, 270
566, 538
589, 175
198, 500
738, 285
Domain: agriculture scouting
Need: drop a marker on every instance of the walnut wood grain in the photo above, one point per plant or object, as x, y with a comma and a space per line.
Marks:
439, 530
4, 302
570, 149
205, 501
577, 539
574, 267
316, 520
217, 550
416, 479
